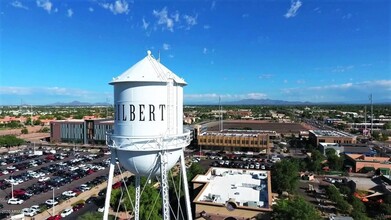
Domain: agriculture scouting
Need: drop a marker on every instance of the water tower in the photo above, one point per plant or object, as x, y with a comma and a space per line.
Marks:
148, 137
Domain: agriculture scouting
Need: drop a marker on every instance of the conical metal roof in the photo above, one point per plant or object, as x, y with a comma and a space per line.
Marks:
147, 70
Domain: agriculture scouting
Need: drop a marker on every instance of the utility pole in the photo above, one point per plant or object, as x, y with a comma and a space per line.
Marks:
370, 97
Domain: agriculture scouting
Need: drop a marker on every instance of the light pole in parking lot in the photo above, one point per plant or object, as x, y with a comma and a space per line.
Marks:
53, 202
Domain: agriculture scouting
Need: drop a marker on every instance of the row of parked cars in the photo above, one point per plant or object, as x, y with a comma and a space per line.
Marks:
241, 165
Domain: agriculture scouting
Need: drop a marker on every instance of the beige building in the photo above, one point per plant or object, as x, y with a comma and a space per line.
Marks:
331, 136
236, 140
225, 193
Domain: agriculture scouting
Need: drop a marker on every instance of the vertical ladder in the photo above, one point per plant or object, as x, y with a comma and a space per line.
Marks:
171, 126
164, 185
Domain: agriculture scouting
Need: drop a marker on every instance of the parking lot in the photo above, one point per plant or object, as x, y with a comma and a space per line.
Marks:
33, 180
236, 160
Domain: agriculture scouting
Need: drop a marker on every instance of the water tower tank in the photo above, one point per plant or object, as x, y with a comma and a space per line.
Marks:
148, 106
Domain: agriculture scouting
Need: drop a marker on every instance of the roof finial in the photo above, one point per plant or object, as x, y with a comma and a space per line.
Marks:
149, 52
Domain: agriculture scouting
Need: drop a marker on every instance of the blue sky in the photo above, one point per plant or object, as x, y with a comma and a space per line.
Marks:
317, 51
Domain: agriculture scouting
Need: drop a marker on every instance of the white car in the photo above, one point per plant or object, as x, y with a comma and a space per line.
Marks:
43, 179
84, 187
15, 201
29, 212
51, 202
35, 175
11, 168
5, 172
69, 193
66, 212
36, 208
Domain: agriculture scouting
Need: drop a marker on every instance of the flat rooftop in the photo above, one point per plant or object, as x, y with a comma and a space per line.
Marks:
237, 133
247, 188
331, 133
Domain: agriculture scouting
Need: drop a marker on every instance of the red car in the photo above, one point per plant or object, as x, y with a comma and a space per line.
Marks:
18, 192
55, 217
116, 185
78, 206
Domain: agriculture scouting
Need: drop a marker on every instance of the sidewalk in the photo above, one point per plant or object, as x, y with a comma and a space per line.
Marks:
83, 196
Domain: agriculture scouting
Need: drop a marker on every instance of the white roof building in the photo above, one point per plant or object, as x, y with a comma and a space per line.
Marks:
233, 192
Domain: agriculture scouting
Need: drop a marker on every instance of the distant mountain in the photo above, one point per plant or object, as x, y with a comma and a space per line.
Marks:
77, 103
265, 102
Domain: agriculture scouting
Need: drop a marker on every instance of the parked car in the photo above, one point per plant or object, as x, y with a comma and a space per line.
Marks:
69, 193
66, 212
51, 202
29, 212
15, 201
77, 207
55, 217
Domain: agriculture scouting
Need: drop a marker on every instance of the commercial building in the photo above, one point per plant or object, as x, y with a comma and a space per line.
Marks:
331, 136
90, 131
361, 163
348, 149
225, 193
237, 140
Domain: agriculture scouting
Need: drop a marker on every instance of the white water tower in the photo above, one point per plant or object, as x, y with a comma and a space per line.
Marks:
148, 137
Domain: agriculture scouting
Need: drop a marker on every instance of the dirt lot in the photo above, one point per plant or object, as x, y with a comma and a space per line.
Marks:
282, 128
33, 134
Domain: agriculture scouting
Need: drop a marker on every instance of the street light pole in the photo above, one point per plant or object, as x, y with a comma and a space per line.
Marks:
53, 202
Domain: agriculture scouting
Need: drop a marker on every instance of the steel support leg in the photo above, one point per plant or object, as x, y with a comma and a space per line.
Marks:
137, 199
186, 187
109, 185
164, 185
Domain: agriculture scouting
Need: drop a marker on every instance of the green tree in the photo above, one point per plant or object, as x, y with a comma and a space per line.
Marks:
387, 125
93, 216
194, 170
285, 176
10, 141
150, 201
296, 208
314, 163
44, 130
24, 131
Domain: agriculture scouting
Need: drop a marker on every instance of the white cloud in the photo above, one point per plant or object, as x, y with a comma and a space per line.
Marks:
13, 90
212, 7
45, 4
205, 50
285, 81
245, 15
145, 24
118, 7
69, 12
347, 16
18, 4
342, 69
265, 76
171, 56
175, 16
300, 81
90, 9
166, 46
190, 20
225, 97
350, 91
317, 10
292, 11
206, 27
163, 19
